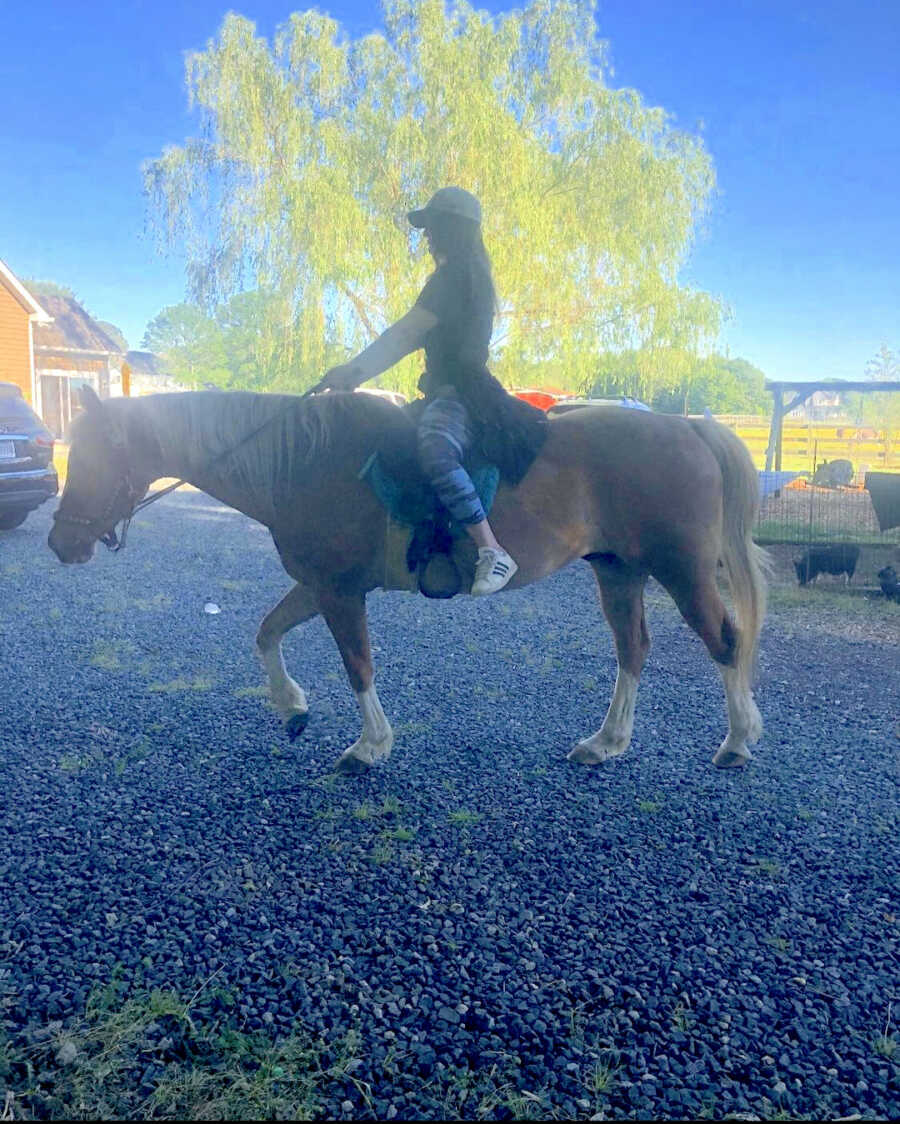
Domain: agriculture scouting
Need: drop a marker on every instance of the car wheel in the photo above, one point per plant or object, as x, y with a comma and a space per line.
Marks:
10, 519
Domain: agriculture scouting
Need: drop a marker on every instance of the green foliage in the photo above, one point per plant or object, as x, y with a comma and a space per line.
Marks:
882, 411
884, 366
240, 346
155, 1056
312, 148
673, 381
190, 343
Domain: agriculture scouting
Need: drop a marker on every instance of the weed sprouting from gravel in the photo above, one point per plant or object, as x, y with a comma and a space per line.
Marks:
156, 1056
399, 834
260, 692
198, 683
765, 867
390, 806
463, 817
649, 806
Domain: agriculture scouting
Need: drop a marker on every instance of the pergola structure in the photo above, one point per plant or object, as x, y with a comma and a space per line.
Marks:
803, 391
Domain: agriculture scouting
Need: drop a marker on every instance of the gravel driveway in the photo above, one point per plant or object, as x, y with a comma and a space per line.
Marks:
647, 938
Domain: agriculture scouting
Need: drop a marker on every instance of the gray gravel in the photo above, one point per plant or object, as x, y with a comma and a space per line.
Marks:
722, 942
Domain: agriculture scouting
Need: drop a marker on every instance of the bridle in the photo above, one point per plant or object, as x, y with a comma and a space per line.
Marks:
125, 489
115, 541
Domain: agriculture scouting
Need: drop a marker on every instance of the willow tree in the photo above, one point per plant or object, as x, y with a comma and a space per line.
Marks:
313, 147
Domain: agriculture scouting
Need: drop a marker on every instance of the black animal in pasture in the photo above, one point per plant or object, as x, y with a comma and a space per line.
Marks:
833, 474
837, 558
890, 583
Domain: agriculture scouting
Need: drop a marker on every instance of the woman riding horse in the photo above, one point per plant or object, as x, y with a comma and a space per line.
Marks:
466, 408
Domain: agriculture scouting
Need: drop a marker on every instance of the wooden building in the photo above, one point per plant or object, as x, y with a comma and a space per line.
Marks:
147, 373
20, 312
71, 352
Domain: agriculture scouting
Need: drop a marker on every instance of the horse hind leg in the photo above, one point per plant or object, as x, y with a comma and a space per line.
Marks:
622, 598
701, 606
288, 697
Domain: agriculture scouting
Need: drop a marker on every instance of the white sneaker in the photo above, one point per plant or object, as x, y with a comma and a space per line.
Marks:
493, 570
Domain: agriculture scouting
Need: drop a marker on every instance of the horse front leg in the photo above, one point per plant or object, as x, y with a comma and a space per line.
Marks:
622, 597
345, 615
288, 697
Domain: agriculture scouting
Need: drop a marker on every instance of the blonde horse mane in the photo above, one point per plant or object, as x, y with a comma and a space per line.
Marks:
256, 439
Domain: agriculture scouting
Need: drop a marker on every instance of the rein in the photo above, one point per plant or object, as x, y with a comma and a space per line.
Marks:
115, 542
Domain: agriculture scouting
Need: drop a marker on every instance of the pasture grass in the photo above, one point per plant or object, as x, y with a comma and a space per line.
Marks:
832, 596
157, 1056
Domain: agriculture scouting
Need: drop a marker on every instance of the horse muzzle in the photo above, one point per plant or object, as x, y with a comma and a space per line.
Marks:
71, 544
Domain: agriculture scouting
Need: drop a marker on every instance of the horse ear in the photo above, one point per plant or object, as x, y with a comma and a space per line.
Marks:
89, 400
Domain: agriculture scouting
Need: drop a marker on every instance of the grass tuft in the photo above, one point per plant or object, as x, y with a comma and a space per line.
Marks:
198, 683
462, 817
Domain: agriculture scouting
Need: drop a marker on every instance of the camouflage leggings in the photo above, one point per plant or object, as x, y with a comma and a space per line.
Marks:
444, 436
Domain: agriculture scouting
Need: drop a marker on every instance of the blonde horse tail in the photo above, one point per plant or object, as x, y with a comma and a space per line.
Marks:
746, 564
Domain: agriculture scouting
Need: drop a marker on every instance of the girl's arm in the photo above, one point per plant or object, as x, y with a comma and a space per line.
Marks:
394, 344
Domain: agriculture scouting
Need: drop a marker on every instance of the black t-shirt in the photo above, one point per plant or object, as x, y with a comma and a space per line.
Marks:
458, 344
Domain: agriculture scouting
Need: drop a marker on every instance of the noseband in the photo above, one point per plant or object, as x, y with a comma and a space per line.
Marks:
125, 489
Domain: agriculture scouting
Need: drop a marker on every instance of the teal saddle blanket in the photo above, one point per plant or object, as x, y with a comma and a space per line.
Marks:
413, 502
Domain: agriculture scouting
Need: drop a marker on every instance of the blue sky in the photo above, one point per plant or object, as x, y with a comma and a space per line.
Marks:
799, 105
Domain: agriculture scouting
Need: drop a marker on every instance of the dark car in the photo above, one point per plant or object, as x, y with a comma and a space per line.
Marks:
27, 474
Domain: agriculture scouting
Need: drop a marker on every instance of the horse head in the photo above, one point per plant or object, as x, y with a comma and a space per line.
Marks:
100, 490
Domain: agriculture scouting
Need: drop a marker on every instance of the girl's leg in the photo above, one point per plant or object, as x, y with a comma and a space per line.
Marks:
444, 438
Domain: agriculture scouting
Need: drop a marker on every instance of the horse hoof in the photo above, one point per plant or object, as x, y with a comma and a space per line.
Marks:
732, 758
586, 754
296, 724
350, 766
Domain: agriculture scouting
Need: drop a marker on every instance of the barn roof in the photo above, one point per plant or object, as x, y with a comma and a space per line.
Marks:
72, 329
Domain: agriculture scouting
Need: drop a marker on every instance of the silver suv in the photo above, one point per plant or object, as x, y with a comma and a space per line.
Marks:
27, 474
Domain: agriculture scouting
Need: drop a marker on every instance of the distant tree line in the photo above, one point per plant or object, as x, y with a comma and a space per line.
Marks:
238, 347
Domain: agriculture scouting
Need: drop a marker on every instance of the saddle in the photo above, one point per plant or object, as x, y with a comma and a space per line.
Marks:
395, 476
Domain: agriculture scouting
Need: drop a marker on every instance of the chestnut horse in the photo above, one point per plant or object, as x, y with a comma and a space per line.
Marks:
633, 493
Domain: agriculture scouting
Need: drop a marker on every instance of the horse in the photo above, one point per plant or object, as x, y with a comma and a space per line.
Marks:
635, 494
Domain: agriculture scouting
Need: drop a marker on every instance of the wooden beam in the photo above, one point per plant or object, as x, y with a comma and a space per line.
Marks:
775, 427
